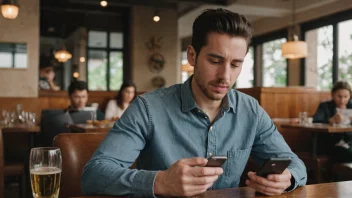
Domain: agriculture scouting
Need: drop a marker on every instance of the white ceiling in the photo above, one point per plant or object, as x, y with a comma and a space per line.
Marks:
252, 9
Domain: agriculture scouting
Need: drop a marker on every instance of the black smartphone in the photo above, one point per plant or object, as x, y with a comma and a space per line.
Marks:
274, 166
216, 161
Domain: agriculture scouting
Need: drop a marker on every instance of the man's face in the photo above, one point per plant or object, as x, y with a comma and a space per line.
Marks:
79, 99
218, 64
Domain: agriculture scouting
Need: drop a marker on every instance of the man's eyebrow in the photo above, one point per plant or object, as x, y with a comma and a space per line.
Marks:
215, 55
221, 57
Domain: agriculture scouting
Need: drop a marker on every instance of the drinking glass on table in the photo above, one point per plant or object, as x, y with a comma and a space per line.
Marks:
32, 118
45, 172
303, 117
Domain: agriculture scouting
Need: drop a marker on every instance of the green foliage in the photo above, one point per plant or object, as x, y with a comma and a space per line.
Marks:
274, 65
97, 74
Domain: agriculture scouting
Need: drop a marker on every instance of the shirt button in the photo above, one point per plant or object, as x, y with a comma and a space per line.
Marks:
205, 117
211, 128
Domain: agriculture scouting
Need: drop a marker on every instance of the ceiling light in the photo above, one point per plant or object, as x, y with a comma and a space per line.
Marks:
156, 17
9, 9
63, 55
187, 68
294, 49
103, 3
75, 74
82, 59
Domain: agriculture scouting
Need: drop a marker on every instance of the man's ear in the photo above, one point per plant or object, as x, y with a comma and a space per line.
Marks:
191, 55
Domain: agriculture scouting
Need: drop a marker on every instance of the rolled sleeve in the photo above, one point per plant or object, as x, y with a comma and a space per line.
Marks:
270, 143
144, 183
107, 172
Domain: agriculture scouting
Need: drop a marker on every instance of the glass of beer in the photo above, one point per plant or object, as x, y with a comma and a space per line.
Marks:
45, 170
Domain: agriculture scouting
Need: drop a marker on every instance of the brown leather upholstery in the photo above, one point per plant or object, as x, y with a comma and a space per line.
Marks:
1, 165
342, 172
76, 150
10, 170
318, 167
13, 169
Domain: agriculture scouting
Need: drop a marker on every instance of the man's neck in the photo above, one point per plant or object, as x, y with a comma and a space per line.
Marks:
210, 107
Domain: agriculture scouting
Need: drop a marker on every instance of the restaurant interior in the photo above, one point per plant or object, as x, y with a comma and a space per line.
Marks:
300, 48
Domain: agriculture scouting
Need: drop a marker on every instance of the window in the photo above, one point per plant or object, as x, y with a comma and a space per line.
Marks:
13, 55
105, 60
319, 61
274, 65
330, 54
345, 51
184, 75
246, 78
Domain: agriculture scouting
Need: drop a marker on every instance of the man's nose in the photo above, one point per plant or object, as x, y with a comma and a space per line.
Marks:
223, 72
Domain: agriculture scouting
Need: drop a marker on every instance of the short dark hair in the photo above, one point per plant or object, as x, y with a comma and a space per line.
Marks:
220, 21
122, 88
77, 85
341, 85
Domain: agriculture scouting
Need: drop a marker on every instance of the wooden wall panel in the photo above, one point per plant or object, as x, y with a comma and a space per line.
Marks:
287, 102
277, 102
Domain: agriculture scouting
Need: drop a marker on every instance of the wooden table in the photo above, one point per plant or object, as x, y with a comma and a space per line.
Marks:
90, 128
316, 129
23, 129
333, 190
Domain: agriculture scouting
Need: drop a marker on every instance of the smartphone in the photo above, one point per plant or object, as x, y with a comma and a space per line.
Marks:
216, 161
274, 166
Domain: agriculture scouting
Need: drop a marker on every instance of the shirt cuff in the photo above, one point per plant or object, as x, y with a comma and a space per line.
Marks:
144, 183
294, 178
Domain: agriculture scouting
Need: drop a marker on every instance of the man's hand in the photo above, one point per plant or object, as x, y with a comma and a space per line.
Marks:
186, 177
272, 185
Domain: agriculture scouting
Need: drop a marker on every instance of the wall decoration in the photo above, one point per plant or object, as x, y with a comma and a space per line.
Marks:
158, 82
156, 60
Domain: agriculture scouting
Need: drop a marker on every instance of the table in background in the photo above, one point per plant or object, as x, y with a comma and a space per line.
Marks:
336, 190
23, 129
90, 128
317, 128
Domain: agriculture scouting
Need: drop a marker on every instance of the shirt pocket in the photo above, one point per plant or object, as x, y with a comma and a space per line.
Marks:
234, 166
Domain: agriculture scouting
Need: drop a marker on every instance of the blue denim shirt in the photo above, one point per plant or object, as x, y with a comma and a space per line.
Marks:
166, 125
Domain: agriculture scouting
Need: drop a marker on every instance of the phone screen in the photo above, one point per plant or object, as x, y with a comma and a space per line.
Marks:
274, 166
216, 161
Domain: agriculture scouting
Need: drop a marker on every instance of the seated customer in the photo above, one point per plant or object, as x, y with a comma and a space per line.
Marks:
124, 97
327, 113
47, 75
78, 94
172, 131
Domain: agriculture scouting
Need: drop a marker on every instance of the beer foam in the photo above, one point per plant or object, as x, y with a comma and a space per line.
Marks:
45, 170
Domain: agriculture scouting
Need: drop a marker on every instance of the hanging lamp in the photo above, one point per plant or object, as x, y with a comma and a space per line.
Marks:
10, 9
294, 49
62, 55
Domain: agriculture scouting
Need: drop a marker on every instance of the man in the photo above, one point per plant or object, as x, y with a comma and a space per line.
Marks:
78, 95
172, 131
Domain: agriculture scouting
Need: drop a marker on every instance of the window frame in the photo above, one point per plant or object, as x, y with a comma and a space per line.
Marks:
107, 50
333, 20
259, 41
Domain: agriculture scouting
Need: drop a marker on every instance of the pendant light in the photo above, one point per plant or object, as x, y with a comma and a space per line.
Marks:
63, 55
9, 9
294, 49
187, 68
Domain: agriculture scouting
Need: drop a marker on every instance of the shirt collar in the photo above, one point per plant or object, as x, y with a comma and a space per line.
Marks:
187, 99
188, 103
229, 102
